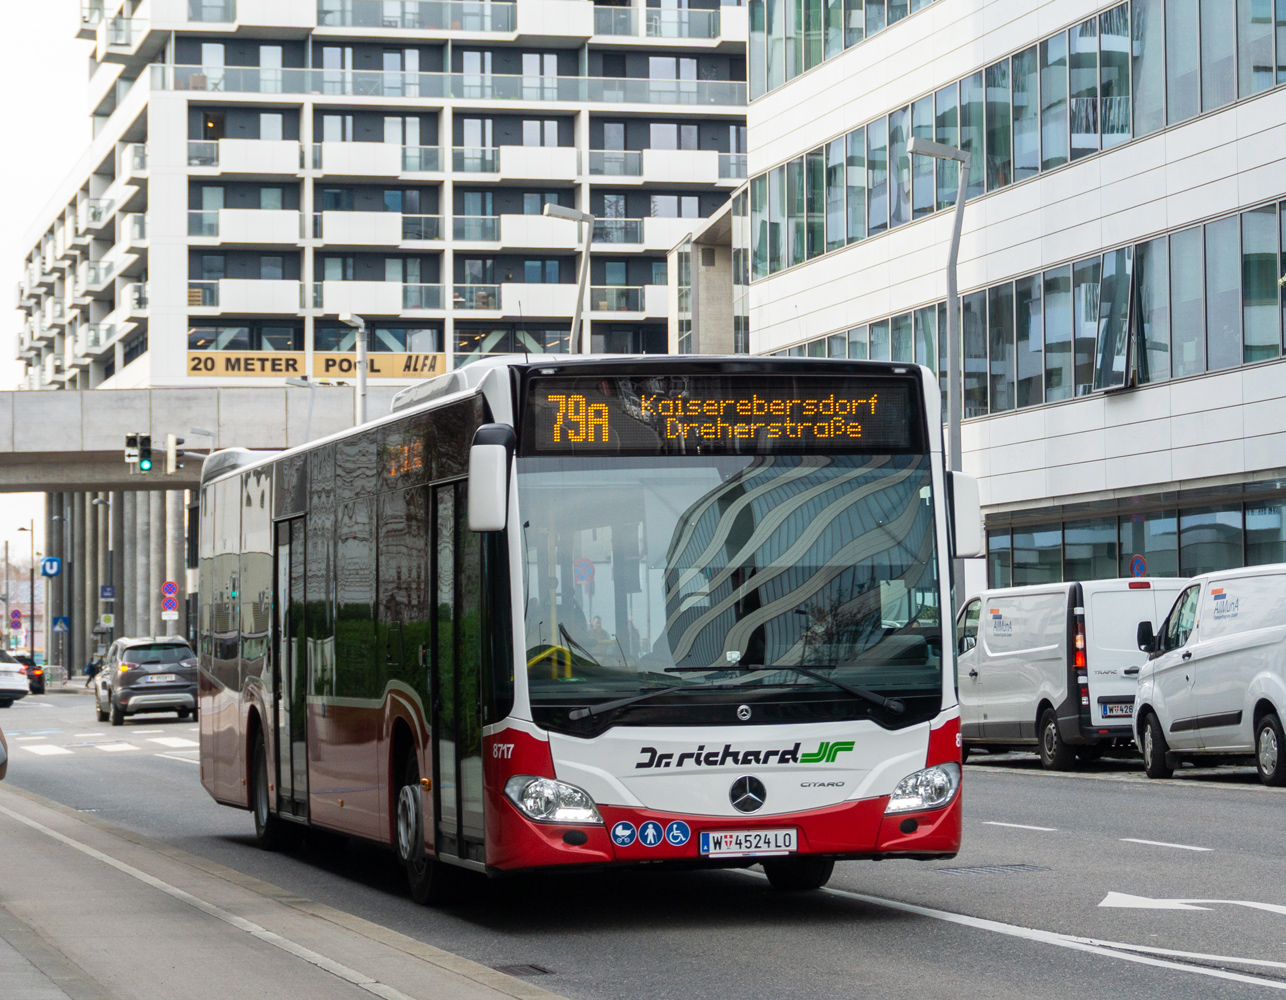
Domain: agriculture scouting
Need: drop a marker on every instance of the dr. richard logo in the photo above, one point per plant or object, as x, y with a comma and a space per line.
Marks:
826, 753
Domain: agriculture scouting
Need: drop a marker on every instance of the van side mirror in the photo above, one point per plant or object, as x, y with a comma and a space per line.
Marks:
489, 458
1147, 641
966, 517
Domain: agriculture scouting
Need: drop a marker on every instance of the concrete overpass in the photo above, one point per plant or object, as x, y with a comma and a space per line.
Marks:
74, 441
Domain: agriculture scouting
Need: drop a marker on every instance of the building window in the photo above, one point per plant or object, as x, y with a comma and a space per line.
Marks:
337, 268
1210, 539
271, 126
134, 350
541, 272
337, 128
540, 133
271, 268
271, 199
660, 275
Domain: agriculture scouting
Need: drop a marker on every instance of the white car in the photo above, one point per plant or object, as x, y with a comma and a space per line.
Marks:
1214, 685
13, 682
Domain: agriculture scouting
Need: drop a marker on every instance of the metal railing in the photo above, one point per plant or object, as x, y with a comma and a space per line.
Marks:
618, 231
616, 298
467, 86
422, 227
657, 23
136, 157
97, 210
616, 162
218, 11
98, 272
203, 293
442, 15
91, 13
421, 296
97, 335
120, 31
203, 153
136, 226
732, 165
136, 295
421, 158
203, 223
475, 161
476, 296
477, 227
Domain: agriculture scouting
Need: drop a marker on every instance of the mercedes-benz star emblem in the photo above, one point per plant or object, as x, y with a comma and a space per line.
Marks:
743, 713
747, 794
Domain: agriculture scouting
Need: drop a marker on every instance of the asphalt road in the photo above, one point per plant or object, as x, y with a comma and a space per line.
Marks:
1020, 913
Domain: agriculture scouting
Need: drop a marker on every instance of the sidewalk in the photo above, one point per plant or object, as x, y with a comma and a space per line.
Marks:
89, 911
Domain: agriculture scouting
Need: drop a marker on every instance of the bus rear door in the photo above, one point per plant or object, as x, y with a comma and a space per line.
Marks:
290, 686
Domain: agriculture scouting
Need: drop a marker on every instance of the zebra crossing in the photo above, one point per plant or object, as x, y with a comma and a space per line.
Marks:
57, 743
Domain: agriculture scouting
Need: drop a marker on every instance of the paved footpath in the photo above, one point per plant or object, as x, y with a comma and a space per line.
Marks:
89, 911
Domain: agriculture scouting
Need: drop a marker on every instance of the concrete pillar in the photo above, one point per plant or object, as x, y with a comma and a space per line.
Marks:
127, 604
142, 554
156, 561
89, 576
65, 588
117, 560
77, 609
175, 556
49, 587
53, 547
104, 567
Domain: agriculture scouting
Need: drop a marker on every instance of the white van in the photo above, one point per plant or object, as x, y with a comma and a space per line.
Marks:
1045, 666
1214, 684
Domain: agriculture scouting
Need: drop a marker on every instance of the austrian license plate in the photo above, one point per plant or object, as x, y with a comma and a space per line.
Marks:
748, 843
160, 679
1118, 711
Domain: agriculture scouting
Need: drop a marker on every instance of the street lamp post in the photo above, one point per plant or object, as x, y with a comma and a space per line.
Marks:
303, 383
579, 340
941, 151
359, 400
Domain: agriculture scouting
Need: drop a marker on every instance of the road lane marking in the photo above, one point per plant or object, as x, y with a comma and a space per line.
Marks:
115, 747
87, 734
316, 959
1162, 843
174, 756
1020, 826
173, 741
46, 749
1120, 950
1123, 900
18, 739
144, 732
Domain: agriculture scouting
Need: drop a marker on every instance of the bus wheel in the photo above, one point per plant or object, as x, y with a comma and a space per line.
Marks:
1270, 750
432, 882
1055, 755
798, 874
1155, 749
272, 832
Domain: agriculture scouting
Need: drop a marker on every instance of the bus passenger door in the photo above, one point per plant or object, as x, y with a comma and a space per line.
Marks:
457, 706
289, 688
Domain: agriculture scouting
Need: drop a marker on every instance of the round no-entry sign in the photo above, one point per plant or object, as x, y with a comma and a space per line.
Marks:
582, 571
170, 589
1138, 566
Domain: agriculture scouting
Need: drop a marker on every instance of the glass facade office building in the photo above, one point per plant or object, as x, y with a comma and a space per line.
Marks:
1122, 312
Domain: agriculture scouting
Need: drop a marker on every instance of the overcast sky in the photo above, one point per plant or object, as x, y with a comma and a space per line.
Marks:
43, 78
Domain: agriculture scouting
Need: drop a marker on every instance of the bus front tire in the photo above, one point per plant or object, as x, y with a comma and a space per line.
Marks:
798, 874
1055, 755
271, 831
1155, 749
432, 882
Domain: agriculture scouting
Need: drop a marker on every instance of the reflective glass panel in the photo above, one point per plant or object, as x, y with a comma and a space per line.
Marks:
1026, 82
1089, 549
877, 176
1085, 282
899, 168
1149, 65
1210, 539
1082, 42
999, 136
1029, 340
1265, 532
855, 183
1114, 75
922, 167
1000, 336
972, 99
1218, 52
947, 131
1187, 304
1260, 314
1255, 71
1059, 380
1037, 554
835, 194
1053, 102
1223, 294
1182, 60
1152, 284
999, 559
1150, 544
973, 322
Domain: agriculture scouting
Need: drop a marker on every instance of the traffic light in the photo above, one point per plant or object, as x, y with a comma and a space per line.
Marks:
172, 454
145, 453
131, 448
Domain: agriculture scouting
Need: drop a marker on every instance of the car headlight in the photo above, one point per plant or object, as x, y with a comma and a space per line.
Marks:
548, 801
931, 788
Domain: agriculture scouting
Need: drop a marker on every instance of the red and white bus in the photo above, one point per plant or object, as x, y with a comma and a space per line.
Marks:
558, 611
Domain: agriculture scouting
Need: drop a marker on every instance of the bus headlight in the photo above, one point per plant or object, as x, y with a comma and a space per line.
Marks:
548, 801
931, 788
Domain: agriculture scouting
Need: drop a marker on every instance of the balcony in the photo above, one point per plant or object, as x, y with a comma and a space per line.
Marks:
475, 161
134, 229
55, 313
420, 15
96, 336
94, 213
527, 300
539, 162
537, 232
680, 166
703, 24
645, 300
421, 228
661, 233
476, 297
95, 274
375, 298
732, 166
477, 228
629, 231
212, 11
246, 156
135, 296
421, 159
616, 162
360, 159
134, 160
246, 225
375, 228
245, 295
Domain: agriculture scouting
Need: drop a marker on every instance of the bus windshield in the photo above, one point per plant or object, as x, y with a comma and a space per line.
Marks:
697, 575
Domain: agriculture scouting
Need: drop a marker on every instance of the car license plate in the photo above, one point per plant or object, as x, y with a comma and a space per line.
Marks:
748, 843
159, 679
1119, 711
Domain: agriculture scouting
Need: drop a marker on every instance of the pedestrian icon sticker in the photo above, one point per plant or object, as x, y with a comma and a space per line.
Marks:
623, 834
650, 833
677, 833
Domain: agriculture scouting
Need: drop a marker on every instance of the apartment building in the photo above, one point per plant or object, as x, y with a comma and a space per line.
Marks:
260, 167
1121, 306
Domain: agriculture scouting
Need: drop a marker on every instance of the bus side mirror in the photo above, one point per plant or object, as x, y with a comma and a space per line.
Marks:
966, 517
1147, 641
489, 458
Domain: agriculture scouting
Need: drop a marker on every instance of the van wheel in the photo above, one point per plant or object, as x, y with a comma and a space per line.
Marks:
799, 874
1270, 750
1055, 755
1155, 749
433, 882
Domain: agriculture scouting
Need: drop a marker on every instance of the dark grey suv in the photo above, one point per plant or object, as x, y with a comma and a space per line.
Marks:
149, 675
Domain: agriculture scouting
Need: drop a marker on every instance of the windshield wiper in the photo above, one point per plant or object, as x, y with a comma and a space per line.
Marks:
590, 711
893, 705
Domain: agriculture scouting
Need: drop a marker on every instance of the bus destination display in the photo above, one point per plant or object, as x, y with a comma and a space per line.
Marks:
730, 414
